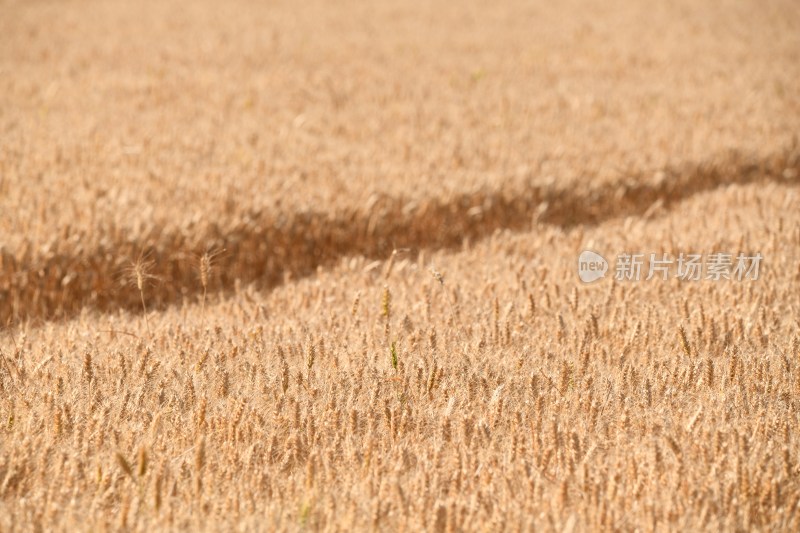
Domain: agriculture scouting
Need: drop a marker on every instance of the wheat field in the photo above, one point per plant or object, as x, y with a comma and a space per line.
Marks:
287, 267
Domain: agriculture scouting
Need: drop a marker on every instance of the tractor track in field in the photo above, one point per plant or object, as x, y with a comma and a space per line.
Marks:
266, 249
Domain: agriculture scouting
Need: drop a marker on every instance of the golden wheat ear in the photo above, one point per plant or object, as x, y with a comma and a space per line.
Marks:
205, 266
139, 274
